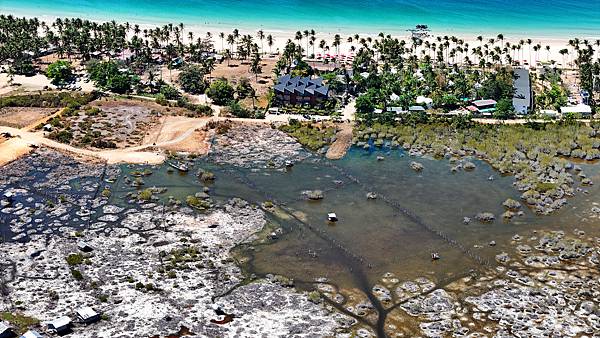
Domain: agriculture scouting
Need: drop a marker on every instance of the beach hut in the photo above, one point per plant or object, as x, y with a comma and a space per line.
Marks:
87, 315
332, 217
60, 325
31, 334
5, 331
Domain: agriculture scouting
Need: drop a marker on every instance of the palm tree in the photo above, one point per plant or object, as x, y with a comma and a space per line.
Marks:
529, 44
270, 41
261, 37
564, 52
306, 35
230, 41
222, 37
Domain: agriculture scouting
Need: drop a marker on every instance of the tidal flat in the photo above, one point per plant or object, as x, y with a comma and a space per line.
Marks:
259, 257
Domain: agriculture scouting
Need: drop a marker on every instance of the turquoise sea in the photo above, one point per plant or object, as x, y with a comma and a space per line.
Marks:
530, 18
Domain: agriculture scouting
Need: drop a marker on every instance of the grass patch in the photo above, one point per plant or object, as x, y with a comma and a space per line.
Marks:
21, 323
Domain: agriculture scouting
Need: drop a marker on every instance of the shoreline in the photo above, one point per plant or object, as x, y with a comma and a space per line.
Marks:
200, 24
280, 36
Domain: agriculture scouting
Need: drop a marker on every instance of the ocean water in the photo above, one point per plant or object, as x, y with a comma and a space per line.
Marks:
532, 18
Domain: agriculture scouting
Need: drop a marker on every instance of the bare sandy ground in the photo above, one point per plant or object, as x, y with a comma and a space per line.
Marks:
179, 133
24, 116
33, 84
342, 142
12, 149
20, 145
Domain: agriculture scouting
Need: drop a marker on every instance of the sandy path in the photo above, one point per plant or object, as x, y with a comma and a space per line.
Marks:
12, 149
342, 142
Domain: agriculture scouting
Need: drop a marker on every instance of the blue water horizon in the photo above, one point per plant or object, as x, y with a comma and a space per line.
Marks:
534, 18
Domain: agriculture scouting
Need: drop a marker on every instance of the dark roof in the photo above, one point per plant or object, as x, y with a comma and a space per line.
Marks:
303, 86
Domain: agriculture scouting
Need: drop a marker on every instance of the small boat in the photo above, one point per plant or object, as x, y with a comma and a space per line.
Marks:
332, 217
289, 163
179, 166
435, 256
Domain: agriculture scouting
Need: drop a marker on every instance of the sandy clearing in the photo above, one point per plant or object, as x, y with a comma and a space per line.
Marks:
179, 133
12, 149
20, 117
137, 155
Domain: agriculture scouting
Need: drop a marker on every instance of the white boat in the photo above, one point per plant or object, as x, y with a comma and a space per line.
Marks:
179, 166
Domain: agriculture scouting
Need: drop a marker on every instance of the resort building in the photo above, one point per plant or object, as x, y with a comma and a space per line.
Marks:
483, 107
300, 90
522, 100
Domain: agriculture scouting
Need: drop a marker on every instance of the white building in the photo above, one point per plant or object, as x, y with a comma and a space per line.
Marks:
581, 108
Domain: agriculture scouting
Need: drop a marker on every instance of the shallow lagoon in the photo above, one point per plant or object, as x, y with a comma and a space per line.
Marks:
415, 214
422, 213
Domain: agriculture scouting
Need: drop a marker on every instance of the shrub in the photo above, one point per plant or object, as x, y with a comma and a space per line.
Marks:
49, 100
162, 100
60, 72
74, 259
76, 274
63, 136
145, 195
220, 91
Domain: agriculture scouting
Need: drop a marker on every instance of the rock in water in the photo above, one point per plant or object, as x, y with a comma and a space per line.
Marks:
416, 166
485, 217
511, 204
313, 194
469, 166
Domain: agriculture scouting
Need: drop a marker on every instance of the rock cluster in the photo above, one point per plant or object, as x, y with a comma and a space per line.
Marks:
256, 146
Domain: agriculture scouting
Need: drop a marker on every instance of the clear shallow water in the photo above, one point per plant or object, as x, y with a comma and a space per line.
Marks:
423, 213
535, 18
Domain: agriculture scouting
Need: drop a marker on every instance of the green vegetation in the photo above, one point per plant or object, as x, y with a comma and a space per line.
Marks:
49, 100
62, 136
191, 79
111, 76
60, 73
145, 195
74, 259
76, 274
198, 203
221, 92
20, 322
182, 259
313, 137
